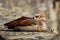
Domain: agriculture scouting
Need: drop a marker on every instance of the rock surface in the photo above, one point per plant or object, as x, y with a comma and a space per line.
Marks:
27, 35
7, 16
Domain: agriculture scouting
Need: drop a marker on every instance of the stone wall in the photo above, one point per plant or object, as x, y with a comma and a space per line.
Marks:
26, 9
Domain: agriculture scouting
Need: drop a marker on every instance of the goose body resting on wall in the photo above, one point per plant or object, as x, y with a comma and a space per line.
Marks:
23, 22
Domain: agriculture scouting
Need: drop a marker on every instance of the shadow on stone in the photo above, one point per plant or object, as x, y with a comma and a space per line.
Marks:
56, 37
1, 38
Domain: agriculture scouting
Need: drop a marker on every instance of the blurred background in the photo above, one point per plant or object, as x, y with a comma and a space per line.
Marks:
13, 9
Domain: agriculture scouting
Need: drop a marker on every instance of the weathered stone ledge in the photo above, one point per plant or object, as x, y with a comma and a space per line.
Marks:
26, 35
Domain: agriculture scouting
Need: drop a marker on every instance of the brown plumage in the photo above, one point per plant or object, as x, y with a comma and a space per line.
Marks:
26, 22
23, 21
